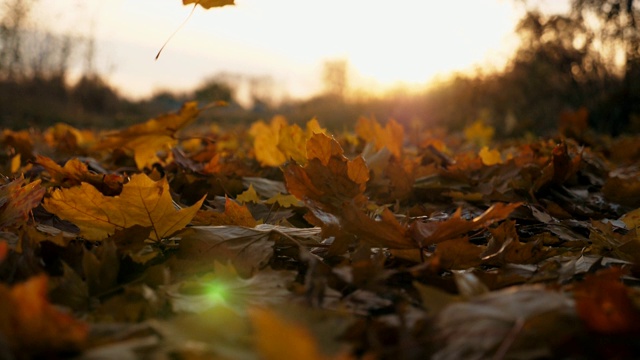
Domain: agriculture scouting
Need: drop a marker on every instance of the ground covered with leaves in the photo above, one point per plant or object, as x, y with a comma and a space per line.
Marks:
280, 241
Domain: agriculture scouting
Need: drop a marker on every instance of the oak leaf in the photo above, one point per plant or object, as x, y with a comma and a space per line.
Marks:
142, 202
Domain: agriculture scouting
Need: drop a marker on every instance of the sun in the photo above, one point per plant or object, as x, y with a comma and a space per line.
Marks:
413, 41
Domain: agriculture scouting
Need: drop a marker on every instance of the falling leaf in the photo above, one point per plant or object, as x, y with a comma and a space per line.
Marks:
142, 202
208, 4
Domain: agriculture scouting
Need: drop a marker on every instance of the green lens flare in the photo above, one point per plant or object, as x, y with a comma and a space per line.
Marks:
217, 292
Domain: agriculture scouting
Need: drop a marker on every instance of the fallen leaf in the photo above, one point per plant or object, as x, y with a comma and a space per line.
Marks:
142, 202
154, 135
31, 326
17, 199
604, 304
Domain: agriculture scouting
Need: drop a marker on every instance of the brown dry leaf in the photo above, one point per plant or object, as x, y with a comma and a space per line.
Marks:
142, 202
248, 249
603, 303
391, 136
17, 199
208, 4
31, 326
19, 142
427, 233
329, 178
458, 254
505, 247
145, 140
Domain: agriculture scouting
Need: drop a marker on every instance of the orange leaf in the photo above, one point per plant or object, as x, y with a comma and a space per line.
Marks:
391, 136
603, 303
277, 338
17, 199
234, 214
32, 326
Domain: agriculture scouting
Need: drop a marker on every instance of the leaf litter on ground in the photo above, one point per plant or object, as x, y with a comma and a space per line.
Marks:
285, 241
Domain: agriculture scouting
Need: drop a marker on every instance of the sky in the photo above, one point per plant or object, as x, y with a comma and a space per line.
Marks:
386, 43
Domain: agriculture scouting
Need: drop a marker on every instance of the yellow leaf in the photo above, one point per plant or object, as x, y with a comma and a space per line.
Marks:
490, 157
278, 142
208, 4
631, 219
142, 202
284, 201
249, 195
147, 139
479, 133
391, 136
15, 163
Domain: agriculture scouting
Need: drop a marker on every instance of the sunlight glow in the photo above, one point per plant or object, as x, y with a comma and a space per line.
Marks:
216, 292
384, 42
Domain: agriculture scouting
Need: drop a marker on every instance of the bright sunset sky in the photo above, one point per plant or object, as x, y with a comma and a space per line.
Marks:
385, 42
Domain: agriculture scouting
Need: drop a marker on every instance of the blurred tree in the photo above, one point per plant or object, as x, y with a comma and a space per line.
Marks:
334, 77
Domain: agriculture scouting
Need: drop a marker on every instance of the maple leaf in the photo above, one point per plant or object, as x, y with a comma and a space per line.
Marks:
142, 202
17, 199
31, 326
332, 187
208, 4
146, 139
276, 143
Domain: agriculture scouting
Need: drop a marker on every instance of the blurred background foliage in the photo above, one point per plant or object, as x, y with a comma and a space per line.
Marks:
585, 59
